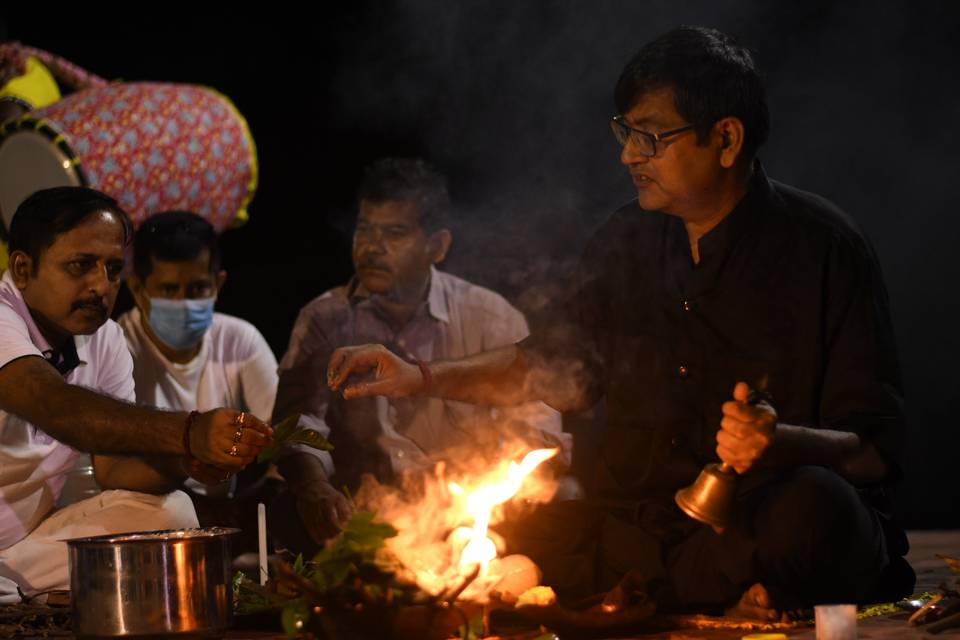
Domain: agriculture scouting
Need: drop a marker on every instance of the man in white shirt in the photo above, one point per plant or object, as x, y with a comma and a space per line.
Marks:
397, 297
66, 387
186, 356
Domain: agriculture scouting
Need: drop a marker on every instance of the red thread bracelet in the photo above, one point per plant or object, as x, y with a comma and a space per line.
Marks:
427, 376
186, 433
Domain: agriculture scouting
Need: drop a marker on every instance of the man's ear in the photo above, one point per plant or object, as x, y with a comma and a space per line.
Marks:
21, 268
438, 244
731, 133
220, 279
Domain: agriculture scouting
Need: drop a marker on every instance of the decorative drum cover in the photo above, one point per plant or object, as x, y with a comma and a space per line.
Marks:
153, 147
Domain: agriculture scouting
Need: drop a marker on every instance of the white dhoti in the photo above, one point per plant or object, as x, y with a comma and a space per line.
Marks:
38, 562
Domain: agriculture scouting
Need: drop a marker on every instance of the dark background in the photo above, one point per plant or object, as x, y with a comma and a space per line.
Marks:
511, 101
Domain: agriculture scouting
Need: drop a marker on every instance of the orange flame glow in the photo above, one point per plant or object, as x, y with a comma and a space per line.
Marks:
480, 549
444, 533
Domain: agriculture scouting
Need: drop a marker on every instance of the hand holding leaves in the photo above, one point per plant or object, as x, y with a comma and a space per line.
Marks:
288, 430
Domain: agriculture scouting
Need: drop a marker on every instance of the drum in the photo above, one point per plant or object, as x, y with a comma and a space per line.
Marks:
152, 147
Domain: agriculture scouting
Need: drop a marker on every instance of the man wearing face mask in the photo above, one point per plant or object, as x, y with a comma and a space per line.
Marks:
185, 355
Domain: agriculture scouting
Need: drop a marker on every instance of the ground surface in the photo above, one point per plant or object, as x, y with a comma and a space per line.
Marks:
931, 573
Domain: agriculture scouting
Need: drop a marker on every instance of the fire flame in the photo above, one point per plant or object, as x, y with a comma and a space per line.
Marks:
480, 549
444, 531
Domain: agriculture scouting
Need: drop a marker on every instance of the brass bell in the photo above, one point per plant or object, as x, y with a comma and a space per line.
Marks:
710, 498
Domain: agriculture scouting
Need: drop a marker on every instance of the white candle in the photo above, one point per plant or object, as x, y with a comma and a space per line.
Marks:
262, 539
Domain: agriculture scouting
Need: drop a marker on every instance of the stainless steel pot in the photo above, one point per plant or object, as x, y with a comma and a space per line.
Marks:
152, 584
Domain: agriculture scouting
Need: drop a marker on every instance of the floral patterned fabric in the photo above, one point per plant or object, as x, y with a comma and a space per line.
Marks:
156, 147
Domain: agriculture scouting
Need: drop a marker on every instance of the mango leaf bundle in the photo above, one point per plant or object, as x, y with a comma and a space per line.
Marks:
289, 431
350, 570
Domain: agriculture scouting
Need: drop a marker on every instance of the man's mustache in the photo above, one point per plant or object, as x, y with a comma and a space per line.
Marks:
372, 264
92, 303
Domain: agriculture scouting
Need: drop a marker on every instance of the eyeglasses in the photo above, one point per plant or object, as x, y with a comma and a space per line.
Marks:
644, 141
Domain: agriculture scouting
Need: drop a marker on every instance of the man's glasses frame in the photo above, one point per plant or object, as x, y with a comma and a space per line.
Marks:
645, 141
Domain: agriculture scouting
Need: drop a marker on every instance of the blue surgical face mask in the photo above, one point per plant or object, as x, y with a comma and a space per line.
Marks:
181, 323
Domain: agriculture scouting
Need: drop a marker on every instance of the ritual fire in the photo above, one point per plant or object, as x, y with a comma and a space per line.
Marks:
445, 536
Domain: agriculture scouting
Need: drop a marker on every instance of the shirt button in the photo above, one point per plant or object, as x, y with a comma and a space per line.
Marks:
683, 372
687, 305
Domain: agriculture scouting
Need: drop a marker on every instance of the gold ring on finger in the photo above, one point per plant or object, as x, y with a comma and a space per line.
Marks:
240, 419
238, 435
233, 451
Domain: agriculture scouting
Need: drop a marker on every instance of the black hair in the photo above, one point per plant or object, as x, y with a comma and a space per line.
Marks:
173, 236
712, 77
409, 180
49, 213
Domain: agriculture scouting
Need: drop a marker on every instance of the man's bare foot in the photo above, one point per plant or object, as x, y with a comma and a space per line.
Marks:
755, 604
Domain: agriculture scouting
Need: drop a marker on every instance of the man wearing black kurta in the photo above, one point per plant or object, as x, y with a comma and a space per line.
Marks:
716, 278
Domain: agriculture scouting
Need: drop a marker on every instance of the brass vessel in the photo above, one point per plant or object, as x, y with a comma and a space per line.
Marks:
710, 498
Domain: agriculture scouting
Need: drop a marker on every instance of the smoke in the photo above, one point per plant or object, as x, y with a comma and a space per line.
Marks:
511, 101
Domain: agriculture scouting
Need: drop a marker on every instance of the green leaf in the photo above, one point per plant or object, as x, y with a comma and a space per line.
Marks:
286, 427
288, 431
294, 616
236, 582
336, 573
310, 437
249, 598
352, 552
362, 527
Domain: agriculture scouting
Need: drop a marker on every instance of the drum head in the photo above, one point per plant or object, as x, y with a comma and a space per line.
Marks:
29, 161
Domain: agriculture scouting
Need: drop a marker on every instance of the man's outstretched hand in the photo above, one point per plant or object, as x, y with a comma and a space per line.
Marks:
391, 376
